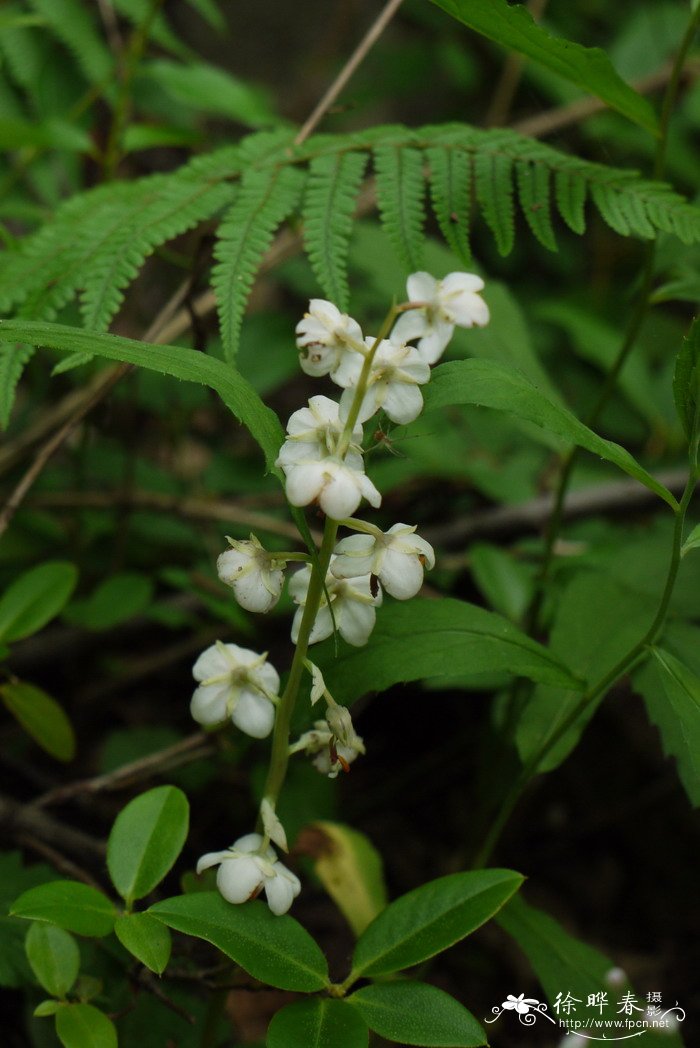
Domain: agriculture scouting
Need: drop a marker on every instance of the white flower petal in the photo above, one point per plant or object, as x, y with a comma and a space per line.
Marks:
369, 491
239, 878
322, 627
252, 593
433, 344
355, 622
340, 495
410, 325
401, 575
212, 859
469, 310
250, 842
299, 583
304, 483
254, 714
403, 402
421, 287
211, 663
209, 702
281, 890
459, 282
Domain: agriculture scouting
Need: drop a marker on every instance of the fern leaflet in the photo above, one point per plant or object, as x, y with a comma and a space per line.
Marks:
266, 198
399, 171
533, 191
494, 191
329, 204
450, 191
13, 360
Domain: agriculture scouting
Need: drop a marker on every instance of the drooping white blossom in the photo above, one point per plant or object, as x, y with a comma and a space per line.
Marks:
331, 756
324, 336
246, 869
235, 683
315, 471
254, 574
444, 304
396, 372
396, 557
352, 601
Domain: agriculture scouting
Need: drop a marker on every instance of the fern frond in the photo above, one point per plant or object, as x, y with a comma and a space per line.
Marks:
534, 194
570, 194
13, 360
494, 191
450, 191
329, 204
400, 192
71, 23
266, 198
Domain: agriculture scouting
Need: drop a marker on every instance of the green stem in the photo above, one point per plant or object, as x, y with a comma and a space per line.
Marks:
626, 663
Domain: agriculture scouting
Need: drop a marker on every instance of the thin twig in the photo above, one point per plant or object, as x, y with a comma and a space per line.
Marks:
504, 92
59, 861
125, 775
356, 58
22, 819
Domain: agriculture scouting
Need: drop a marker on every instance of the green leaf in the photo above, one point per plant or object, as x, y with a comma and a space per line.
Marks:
48, 134
237, 394
587, 67
597, 621
494, 192
266, 198
450, 191
416, 1013
35, 598
329, 206
317, 1022
41, 717
84, 1026
692, 542
350, 869
400, 192
432, 638
54, 957
204, 87
491, 385
13, 360
77, 30
71, 905
146, 839
671, 694
115, 600
534, 191
686, 386
275, 950
146, 938
505, 581
431, 918
45, 1008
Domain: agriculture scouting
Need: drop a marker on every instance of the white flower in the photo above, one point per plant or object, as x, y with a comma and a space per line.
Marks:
353, 606
255, 575
314, 470
396, 557
244, 871
396, 372
446, 303
235, 683
323, 336
331, 755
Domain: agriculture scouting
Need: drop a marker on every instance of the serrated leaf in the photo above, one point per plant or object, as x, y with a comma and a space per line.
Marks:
329, 205
400, 198
70, 905
318, 1021
146, 938
534, 193
450, 190
41, 717
494, 191
513, 27
275, 950
431, 918
431, 638
13, 360
238, 395
198, 85
266, 198
53, 956
671, 693
35, 598
488, 384
84, 1026
416, 1013
146, 839
350, 869
570, 194
72, 24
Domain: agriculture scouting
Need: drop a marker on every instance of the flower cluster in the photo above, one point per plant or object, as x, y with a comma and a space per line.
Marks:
322, 460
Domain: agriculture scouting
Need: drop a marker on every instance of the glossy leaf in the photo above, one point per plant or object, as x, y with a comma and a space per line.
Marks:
146, 938
350, 869
692, 542
318, 1021
76, 907
431, 638
45, 1008
53, 956
35, 598
84, 1026
415, 1013
41, 717
491, 385
235, 391
431, 918
146, 839
115, 600
513, 27
275, 950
